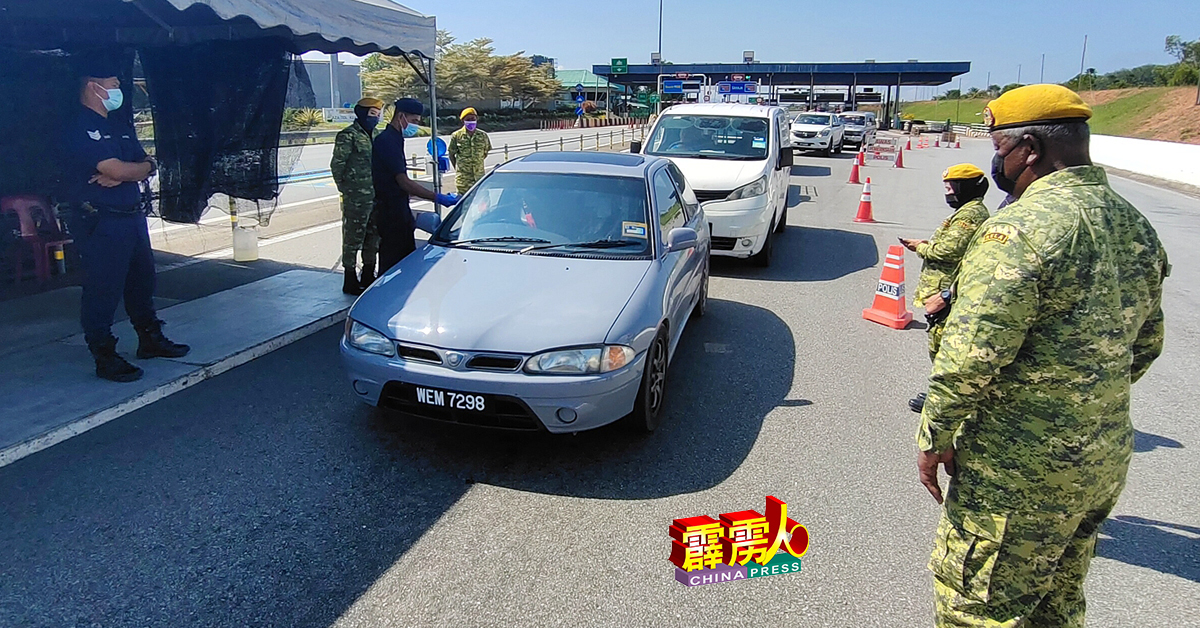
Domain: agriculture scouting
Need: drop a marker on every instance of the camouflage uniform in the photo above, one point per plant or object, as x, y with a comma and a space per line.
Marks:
942, 254
1058, 310
468, 152
351, 169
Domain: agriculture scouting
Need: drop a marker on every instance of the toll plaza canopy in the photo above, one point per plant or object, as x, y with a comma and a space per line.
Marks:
356, 26
867, 73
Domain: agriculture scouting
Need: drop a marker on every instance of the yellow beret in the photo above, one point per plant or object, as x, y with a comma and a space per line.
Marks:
962, 171
1033, 105
371, 103
466, 112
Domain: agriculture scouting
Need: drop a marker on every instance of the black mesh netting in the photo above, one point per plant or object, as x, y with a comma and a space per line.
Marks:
217, 110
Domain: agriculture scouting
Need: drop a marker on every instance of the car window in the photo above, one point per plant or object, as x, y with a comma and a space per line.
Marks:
691, 204
666, 199
511, 211
709, 137
812, 118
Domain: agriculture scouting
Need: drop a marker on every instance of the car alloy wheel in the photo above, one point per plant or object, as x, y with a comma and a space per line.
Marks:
647, 413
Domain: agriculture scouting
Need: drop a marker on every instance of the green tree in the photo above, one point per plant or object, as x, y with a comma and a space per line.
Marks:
1010, 87
1184, 75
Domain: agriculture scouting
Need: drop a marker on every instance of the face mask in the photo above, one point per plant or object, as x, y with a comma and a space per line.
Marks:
368, 122
411, 130
471, 125
114, 100
952, 201
1002, 181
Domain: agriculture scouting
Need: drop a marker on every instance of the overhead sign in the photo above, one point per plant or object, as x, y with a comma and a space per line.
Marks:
643, 97
672, 87
619, 66
682, 75
748, 56
737, 87
653, 98
738, 77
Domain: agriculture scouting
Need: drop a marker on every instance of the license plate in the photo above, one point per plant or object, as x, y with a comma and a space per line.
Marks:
450, 399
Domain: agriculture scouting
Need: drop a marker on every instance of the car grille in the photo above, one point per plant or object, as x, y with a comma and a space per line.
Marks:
712, 195
418, 354
805, 134
505, 412
723, 244
494, 363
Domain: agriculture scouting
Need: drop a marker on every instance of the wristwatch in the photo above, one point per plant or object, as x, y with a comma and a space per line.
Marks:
947, 295
153, 166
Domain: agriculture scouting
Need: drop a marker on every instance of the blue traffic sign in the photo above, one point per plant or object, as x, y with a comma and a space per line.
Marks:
579, 98
579, 111
579, 87
672, 87
737, 87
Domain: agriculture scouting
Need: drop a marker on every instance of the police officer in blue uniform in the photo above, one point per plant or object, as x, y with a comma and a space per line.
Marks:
393, 188
105, 167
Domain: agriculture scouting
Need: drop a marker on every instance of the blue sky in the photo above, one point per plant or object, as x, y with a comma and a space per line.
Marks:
995, 36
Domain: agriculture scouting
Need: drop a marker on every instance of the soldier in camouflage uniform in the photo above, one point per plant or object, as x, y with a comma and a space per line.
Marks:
468, 149
965, 187
1057, 311
351, 169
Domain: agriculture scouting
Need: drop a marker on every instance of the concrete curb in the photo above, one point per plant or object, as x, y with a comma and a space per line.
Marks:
96, 419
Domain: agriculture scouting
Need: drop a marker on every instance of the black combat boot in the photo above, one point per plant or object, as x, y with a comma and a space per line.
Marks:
368, 276
153, 344
917, 404
110, 365
350, 284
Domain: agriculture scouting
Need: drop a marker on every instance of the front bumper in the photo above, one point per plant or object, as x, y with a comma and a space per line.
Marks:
596, 400
811, 143
734, 223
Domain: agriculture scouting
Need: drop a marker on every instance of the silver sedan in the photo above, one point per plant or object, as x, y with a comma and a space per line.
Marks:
551, 298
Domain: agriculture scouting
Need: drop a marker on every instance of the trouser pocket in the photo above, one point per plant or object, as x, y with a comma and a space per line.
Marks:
968, 545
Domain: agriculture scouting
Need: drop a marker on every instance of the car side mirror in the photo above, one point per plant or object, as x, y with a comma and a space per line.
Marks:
428, 222
682, 238
786, 158
635, 147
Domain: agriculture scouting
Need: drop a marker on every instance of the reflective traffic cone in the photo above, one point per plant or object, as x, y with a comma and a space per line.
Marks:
937, 142
957, 144
854, 174
889, 307
908, 145
900, 158
865, 213
862, 156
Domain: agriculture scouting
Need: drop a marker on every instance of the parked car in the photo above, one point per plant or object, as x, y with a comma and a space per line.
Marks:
739, 159
552, 297
860, 127
818, 131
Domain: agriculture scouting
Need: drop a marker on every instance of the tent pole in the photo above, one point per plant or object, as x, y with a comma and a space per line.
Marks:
433, 112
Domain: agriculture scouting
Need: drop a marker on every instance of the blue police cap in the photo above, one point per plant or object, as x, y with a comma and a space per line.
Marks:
410, 106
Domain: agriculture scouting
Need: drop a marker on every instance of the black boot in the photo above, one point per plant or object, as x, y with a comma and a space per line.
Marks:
350, 284
153, 344
368, 276
110, 365
917, 404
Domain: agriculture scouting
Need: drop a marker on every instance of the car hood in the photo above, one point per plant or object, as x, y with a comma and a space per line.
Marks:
810, 127
456, 298
719, 174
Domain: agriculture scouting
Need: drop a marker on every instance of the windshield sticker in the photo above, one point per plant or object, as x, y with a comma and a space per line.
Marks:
759, 142
634, 229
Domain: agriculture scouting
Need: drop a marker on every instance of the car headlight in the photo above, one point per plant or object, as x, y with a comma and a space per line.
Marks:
825, 132
583, 361
758, 188
366, 339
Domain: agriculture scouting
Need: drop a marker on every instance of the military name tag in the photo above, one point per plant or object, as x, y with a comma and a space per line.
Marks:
995, 237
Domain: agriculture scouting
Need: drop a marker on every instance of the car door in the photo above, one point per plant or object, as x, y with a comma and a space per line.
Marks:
668, 204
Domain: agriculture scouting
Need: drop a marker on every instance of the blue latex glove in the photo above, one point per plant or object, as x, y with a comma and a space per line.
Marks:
447, 200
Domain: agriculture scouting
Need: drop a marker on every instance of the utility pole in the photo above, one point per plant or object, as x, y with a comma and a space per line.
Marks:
988, 87
658, 105
1042, 76
334, 96
958, 107
1018, 74
1082, 61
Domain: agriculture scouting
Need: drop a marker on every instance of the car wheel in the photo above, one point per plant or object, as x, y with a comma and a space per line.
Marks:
647, 410
838, 150
828, 150
763, 258
701, 306
782, 219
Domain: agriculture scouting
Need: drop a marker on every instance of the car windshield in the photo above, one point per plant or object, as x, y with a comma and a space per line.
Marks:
710, 137
859, 120
809, 118
557, 214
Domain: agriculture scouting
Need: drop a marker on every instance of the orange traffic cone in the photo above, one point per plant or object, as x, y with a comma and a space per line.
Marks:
865, 213
957, 144
899, 158
889, 306
862, 156
937, 142
908, 145
854, 174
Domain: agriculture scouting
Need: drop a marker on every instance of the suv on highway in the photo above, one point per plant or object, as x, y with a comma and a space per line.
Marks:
818, 131
860, 127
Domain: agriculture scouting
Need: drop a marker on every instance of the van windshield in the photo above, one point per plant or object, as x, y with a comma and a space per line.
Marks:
710, 137
859, 120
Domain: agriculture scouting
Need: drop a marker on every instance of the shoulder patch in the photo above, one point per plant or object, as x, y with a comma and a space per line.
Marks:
996, 236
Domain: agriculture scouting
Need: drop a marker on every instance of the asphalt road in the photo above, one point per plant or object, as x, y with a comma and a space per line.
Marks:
269, 496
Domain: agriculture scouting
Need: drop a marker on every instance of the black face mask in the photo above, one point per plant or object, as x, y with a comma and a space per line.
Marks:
367, 122
952, 201
965, 191
1002, 181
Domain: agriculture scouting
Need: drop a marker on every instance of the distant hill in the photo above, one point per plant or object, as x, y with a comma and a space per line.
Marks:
1154, 113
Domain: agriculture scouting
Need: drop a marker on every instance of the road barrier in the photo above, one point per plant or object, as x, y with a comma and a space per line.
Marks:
884, 148
590, 123
1171, 161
